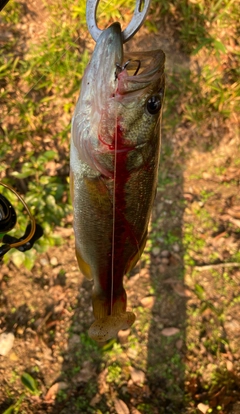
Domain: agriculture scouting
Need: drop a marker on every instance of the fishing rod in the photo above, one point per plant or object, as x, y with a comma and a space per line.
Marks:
8, 220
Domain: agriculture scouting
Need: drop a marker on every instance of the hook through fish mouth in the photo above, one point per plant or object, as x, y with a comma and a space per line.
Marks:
120, 68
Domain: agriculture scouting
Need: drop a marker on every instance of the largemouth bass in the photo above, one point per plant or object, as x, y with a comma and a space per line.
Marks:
115, 147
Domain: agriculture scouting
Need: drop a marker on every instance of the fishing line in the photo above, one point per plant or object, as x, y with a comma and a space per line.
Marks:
114, 198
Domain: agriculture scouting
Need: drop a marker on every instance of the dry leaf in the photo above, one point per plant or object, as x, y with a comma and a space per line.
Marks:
137, 376
87, 372
161, 268
133, 280
6, 343
170, 331
148, 301
165, 253
156, 251
13, 357
135, 411
229, 365
203, 408
95, 400
178, 287
121, 407
63, 231
165, 261
103, 387
181, 290
179, 344
53, 390
123, 336
144, 272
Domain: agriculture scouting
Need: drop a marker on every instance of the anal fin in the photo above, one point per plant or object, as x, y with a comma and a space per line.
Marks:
83, 266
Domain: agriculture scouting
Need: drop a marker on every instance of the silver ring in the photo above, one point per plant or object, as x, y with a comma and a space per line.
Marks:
139, 15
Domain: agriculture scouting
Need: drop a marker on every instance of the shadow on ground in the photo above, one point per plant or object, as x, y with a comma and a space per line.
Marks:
101, 376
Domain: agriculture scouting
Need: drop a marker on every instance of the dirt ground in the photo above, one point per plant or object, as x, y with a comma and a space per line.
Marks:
182, 354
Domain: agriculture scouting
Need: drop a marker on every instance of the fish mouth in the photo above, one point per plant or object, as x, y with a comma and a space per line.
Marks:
140, 70
143, 64
108, 53
109, 72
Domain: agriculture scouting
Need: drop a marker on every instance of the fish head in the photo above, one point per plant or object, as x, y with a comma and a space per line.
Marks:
140, 94
120, 104
98, 85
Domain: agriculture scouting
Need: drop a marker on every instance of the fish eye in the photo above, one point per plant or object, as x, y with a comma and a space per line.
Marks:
154, 104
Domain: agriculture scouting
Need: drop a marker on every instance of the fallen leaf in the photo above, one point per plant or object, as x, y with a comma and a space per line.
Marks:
227, 217
137, 376
181, 290
53, 390
121, 407
144, 272
95, 400
165, 261
165, 253
6, 343
123, 336
103, 387
206, 175
179, 344
203, 408
148, 301
13, 357
133, 280
135, 411
170, 331
63, 231
229, 365
156, 251
161, 268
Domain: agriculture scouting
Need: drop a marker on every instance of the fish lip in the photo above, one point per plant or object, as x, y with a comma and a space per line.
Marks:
108, 52
114, 28
153, 60
151, 72
100, 82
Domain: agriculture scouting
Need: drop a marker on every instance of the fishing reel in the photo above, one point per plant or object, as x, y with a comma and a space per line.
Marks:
8, 220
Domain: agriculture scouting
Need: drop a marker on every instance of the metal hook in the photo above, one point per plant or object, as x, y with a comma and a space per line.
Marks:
140, 14
120, 68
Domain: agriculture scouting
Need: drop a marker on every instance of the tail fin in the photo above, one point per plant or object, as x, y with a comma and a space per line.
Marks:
110, 319
106, 328
104, 305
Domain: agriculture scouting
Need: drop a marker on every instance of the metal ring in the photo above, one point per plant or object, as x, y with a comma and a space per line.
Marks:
140, 14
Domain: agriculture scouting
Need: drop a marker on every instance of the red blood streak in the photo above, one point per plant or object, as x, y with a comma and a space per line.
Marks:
123, 230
